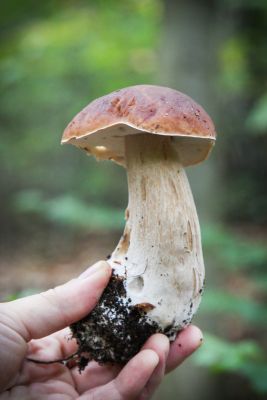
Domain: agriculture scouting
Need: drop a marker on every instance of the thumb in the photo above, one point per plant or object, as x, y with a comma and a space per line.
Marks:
37, 316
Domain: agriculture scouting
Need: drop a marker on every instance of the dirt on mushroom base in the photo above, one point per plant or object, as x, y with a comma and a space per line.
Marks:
115, 330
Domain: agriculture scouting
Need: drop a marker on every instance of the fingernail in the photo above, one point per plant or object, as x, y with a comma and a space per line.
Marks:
165, 344
160, 342
93, 269
152, 357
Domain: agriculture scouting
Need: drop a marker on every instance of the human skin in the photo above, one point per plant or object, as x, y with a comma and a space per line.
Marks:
37, 327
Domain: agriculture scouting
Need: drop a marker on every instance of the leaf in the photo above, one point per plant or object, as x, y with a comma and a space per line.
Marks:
257, 374
257, 119
221, 302
220, 355
233, 250
244, 357
68, 210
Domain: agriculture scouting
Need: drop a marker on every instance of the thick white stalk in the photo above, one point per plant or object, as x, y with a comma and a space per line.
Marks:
160, 252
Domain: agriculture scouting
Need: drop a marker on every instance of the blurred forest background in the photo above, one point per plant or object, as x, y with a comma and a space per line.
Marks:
61, 210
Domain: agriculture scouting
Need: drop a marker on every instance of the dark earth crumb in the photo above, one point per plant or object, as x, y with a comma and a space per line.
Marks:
167, 329
115, 330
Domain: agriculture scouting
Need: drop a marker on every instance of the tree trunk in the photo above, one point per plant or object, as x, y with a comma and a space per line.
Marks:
193, 32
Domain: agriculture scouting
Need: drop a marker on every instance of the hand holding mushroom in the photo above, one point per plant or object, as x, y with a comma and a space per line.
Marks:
158, 269
25, 324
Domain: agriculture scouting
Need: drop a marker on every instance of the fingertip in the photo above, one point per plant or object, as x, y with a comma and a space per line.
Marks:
158, 343
161, 339
134, 376
150, 358
87, 291
186, 342
106, 267
192, 336
100, 265
100, 275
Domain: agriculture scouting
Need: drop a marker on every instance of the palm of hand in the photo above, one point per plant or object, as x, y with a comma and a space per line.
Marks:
37, 381
137, 380
23, 329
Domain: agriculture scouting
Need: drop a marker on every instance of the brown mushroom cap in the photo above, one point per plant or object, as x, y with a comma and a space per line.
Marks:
100, 127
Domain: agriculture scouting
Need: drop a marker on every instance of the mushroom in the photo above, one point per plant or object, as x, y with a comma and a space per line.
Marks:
158, 268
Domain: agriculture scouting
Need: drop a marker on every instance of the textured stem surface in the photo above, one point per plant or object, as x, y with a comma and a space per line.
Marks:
160, 252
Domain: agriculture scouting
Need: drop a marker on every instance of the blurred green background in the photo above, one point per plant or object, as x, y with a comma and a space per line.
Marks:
61, 210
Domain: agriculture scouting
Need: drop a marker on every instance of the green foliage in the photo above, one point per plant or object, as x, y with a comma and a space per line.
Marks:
234, 76
220, 302
233, 251
221, 355
70, 211
244, 357
51, 67
257, 119
244, 259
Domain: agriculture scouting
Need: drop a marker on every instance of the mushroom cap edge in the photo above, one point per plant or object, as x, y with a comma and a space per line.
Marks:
100, 127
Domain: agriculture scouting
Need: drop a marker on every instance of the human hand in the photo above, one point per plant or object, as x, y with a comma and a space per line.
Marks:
24, 328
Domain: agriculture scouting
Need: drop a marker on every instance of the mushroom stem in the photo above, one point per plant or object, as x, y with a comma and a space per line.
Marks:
160, 252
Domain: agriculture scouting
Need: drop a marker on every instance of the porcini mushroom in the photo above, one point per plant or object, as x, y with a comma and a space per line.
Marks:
158, 268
